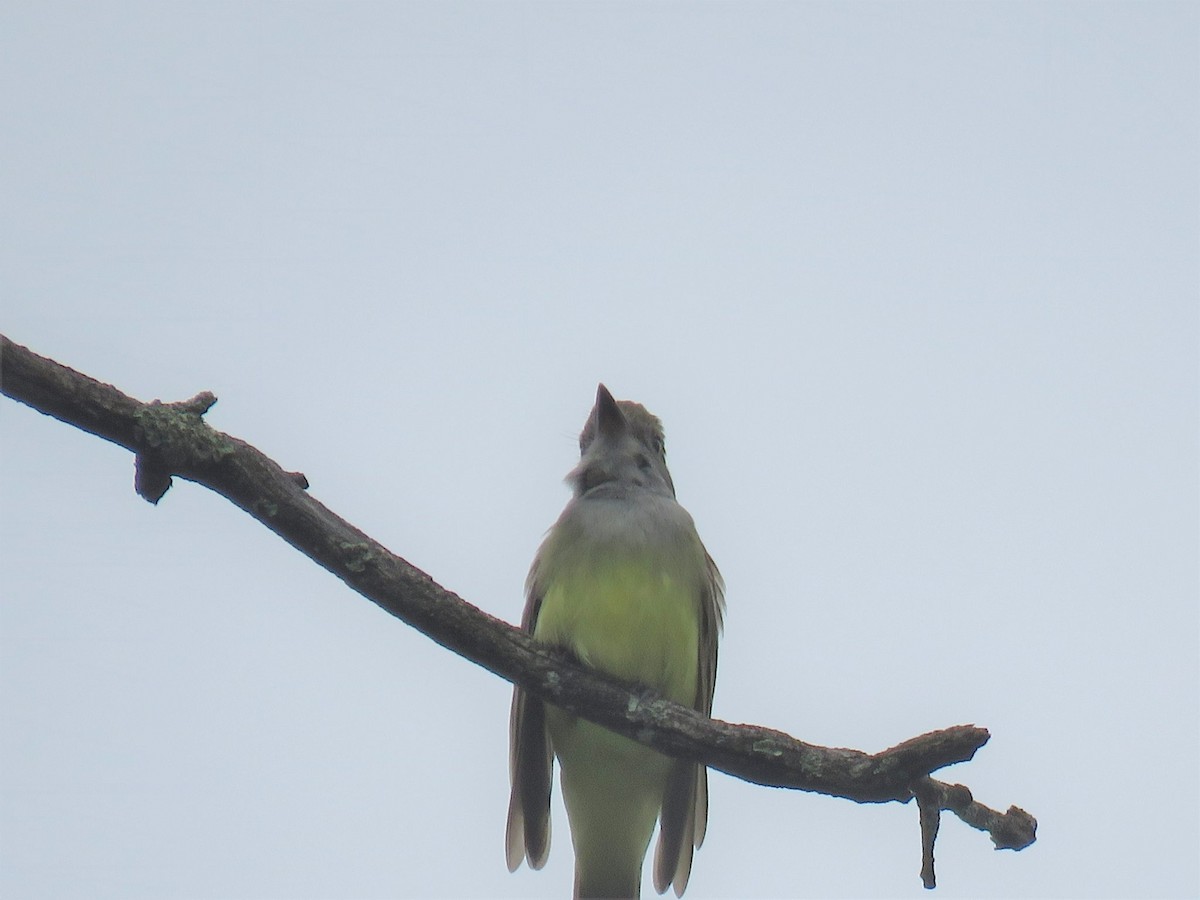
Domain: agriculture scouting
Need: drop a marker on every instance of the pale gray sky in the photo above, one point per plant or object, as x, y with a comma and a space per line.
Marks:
913, 287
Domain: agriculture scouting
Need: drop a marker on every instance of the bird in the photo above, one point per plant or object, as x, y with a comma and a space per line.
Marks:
623, 583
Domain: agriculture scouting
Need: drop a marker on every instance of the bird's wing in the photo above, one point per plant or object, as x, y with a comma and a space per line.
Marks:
531, 762
685, 799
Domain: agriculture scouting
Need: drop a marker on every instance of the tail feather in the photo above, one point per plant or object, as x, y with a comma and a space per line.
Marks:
677, 830
607, 882
531, 769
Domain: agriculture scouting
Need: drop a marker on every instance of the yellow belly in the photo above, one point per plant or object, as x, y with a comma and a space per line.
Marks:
636, 619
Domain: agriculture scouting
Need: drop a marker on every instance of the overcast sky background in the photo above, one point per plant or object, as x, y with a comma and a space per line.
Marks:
913, 287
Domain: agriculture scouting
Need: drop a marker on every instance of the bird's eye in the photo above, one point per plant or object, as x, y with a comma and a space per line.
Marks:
643, 462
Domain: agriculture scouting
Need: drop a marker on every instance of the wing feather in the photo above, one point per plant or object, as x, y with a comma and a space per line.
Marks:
531, 764
684, 816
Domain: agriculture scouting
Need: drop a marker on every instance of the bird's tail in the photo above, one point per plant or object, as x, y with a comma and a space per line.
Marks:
613, 797
607, 881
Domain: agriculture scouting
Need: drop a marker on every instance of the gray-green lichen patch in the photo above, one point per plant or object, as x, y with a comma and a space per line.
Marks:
768, 747
178, 434
358, 555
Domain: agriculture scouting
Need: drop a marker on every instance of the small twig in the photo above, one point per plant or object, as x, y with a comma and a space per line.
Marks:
1014, 829
931, 819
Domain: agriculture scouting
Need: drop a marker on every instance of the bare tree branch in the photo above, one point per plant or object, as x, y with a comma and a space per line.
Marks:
172, 439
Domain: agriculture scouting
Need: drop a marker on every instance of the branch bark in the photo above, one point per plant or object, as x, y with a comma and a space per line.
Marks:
172, 440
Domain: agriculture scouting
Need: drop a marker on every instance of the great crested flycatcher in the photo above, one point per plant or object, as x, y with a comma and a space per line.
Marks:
623, 582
